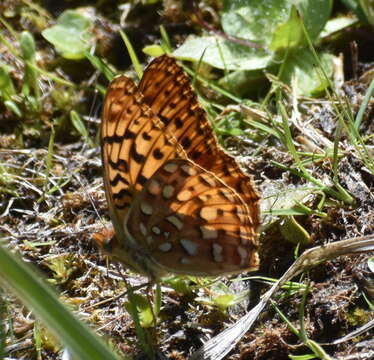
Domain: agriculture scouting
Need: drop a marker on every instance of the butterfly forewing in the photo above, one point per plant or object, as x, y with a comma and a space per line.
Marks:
191, 223
133, 145
167, 90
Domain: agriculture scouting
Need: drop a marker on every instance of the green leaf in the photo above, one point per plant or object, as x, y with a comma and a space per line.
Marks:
180, 284
289, 34
223, 54
301, 72
293, 232
12, 106
100, 65
153, 50
315, 14
6, 83
70, 35
302, 357
224, 301
144, 309
79, 126
253, 20
244, 83
30, 81
258, 20
337, 24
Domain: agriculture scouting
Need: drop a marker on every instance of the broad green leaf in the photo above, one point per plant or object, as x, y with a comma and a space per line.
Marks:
337, 24
289, 34
70, 35
315, 14
254, 20
223, 54
301, 72
258, 20
224, 301
244, 83
293, 232
275, 199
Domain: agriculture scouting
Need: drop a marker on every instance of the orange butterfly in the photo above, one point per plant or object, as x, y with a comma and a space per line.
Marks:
178, 202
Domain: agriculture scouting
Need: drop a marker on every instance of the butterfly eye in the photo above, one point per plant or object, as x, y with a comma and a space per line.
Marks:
178, 202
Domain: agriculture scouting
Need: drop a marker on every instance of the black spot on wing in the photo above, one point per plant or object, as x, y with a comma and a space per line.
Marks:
139, 158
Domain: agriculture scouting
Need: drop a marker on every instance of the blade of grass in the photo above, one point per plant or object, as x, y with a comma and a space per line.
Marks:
344, 112
212, 85
364, 105
29, 287
99, 64
165, 44
134, 59
341, 194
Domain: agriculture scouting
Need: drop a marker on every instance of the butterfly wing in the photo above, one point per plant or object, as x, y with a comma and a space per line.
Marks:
168, 92
133, 146
188, 221
145, 129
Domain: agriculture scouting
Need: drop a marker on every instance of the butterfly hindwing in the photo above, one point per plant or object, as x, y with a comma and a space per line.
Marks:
190, 222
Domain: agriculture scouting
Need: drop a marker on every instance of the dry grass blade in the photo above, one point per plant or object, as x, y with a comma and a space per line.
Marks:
354, 333
219, 346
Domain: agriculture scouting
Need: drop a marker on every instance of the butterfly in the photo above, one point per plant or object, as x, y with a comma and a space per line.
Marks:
178, 202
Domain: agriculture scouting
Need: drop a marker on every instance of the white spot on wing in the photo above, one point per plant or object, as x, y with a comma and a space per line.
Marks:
243, 253
156, 230
146, 208
189, 170
175, 221
168, 191
143, 229
170, 168
165, 247
189, 246
217, 252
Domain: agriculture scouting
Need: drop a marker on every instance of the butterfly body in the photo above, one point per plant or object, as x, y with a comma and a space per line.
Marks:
178, 202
